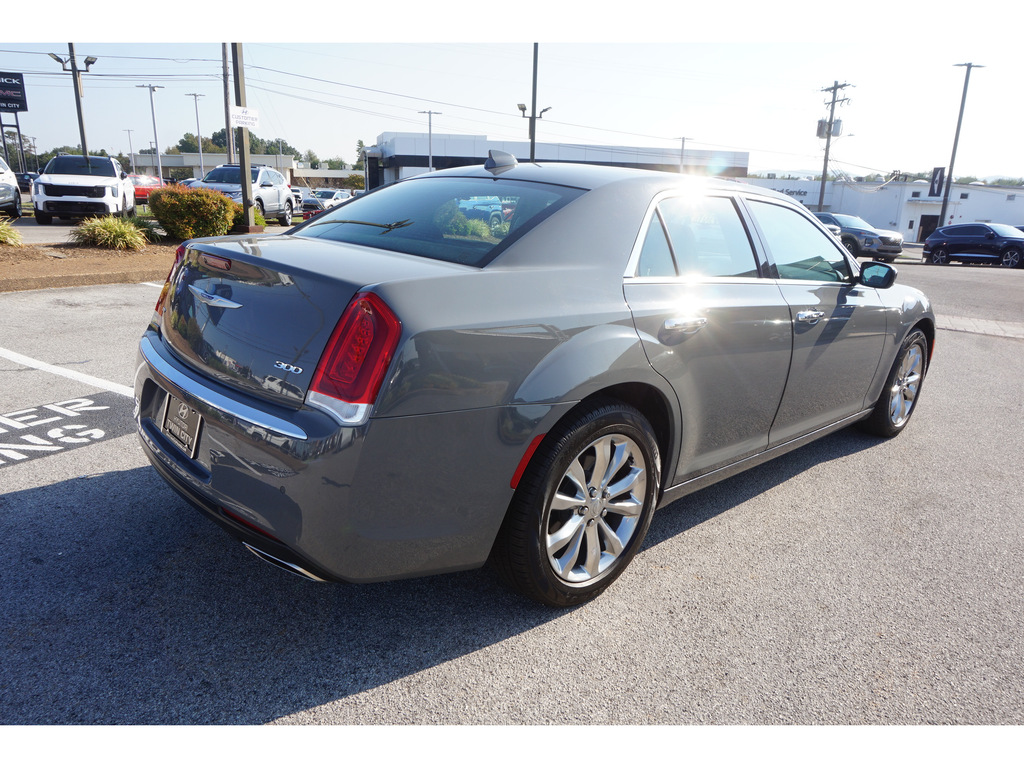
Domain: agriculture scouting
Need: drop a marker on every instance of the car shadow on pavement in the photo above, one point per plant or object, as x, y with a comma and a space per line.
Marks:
123, 605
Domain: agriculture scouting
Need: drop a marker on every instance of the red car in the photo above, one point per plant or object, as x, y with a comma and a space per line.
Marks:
143, 186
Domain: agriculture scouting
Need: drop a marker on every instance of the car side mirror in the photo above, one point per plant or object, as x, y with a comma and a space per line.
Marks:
990, 235
874, 274
124, 175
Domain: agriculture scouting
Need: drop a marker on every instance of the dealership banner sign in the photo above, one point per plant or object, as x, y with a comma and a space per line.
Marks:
12, 92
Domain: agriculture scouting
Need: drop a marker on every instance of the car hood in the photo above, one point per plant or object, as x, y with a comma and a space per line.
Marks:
78, 181
889, 233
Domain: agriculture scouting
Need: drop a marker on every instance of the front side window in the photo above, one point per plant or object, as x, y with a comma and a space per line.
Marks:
801, 251
461, 220
697, 236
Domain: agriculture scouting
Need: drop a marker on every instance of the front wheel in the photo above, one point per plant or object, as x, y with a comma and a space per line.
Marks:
1012, 257
939, 256
851, 245
285, 219
903, 386
15, 209
582, 508
43, 218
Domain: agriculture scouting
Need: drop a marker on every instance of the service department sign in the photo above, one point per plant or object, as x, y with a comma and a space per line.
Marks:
12, 92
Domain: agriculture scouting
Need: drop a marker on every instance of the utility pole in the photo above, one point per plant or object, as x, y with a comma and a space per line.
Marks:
956, 140
131, 152
228, 133
430, 137
243, 150
836, 87
156, 135
199, 135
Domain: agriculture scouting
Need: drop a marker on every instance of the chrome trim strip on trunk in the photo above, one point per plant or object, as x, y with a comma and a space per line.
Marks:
214, 399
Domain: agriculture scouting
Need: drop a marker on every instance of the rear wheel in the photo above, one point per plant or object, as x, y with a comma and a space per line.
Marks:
14, 211
939, 256
902, 388
582, 507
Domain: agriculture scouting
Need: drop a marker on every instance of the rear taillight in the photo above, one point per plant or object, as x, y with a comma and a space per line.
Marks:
352, 368
179, 255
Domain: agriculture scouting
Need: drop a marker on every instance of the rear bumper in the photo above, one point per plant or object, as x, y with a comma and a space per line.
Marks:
390, 499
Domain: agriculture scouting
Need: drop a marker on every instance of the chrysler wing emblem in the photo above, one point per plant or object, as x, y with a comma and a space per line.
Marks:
212, 299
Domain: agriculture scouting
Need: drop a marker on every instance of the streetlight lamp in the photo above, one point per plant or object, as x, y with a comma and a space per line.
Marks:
152, 107
199, 135
430, 137
76, 76
956, 140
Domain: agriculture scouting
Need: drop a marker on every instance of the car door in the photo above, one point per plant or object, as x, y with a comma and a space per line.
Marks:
839, 325
712, 326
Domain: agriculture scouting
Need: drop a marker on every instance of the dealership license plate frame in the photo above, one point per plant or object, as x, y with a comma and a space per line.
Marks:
182, 424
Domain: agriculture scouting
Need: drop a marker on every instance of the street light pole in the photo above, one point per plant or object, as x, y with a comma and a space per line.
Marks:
199, 135
956, 140
76, 80
430, 137
533, 116
131, 152
156, 136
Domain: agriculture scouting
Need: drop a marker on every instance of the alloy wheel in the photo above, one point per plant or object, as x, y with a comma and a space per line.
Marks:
906, 384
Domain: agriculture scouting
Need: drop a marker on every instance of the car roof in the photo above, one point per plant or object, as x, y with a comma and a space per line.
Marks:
585, 176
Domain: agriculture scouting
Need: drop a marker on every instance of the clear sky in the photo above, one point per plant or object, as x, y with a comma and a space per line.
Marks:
736, 76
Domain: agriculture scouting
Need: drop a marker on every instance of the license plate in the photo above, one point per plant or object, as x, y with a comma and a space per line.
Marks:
182, 423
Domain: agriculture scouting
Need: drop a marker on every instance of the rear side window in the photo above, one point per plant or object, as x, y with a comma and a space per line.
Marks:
465, 221
800, 250
697, 236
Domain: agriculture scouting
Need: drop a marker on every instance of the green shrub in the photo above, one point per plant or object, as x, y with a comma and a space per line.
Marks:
109, 232
147, 227
238, 213
185, 212
8, 234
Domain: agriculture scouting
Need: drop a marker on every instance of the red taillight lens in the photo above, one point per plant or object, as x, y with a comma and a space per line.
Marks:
352, 367
178, 256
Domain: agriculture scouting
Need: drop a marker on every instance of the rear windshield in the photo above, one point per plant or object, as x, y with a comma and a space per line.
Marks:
76, 165
464, 221
227, 174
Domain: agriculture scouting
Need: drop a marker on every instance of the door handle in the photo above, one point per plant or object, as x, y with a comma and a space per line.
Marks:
809, 316
685, 325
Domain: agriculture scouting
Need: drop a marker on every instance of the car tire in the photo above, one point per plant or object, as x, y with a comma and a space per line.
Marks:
285, 220
939, 257
496, 222
15, 210
851, 245
1012, 257
259, 209
902, 388
43, 218
582, 507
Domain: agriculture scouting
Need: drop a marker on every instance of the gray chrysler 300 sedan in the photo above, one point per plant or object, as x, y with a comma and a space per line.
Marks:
394, 389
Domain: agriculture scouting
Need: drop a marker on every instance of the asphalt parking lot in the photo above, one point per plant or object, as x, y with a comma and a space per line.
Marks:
854, 581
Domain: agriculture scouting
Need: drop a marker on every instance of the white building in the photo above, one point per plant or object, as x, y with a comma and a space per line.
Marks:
397, 156
906, 207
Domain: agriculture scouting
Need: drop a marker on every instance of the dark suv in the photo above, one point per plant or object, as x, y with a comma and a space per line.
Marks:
270, 191
863, 240
977, 243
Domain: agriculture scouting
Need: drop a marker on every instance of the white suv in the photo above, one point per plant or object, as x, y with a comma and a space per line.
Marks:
73, 186
10, 195
270, 191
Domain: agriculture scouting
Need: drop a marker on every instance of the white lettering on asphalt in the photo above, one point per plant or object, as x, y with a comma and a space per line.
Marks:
67, 373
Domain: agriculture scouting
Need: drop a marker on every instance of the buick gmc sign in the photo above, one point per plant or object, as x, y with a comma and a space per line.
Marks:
12, 92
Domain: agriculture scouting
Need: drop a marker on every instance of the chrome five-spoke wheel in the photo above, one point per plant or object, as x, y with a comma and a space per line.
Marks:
583, 506
902, 388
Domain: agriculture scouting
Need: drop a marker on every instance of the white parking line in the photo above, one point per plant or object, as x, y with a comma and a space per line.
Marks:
67, 373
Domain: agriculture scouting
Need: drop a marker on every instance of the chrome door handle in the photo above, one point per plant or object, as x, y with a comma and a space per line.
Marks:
685, 325
810, 316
